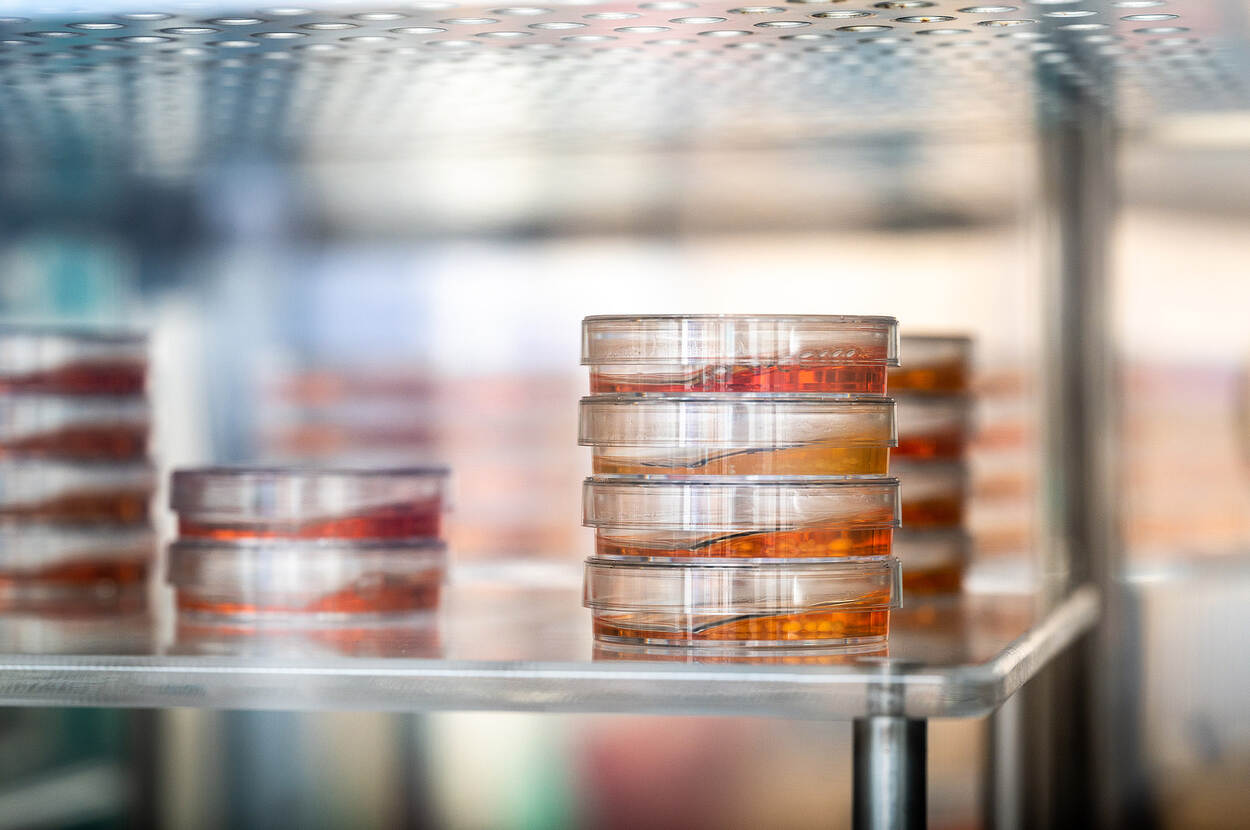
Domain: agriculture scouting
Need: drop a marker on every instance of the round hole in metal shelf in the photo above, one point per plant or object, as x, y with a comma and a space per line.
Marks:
1162, 30
236, 21
95, 27
1067, 13
667, 5
670, 41
145, 16
1137, 4
558, 25
521, 11
841, 14
988, 9
699, 21
782, 24
230, 44
13, 21
505, 35
808, 36
452, 44
536, 47
588, 38
328, 27
285, 11
1004, 24
418, 30
1149, 18
150, 39
903, 4
366, 39
865, 27
1083, 27
191, 30
52, 35
318, 47
14, 43
468, 21
943, 31
612, 15
750, 10
642, 30
725, 33
279, 35
917, 18
1099, 39
377, 16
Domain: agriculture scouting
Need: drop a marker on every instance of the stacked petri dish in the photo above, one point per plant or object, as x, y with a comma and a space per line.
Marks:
301, 546
740, 495
75, 479
934, 400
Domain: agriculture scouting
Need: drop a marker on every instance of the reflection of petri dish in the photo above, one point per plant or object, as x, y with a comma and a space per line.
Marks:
739, 353
711, 517
933, 363
771, 655
73, 427
411, 636
72, 361
314, 580
933, 493
75, 492
933, 426
256, 503
113, 625
744, 435
933, 561
796, 603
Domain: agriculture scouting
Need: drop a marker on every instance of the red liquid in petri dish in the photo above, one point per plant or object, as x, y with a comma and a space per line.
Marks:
863, 379
87, 378
379, 593
835, 626
767, 545
83, 443
404, 521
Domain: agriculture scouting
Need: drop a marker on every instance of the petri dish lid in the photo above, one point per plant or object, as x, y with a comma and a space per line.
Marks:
29, 481
853, 584
24, 348
740, 421
22, 415
277, 564
803, 339
267, 494
711, 503
28, 545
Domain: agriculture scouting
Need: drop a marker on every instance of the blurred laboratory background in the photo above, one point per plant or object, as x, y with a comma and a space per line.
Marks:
367, 275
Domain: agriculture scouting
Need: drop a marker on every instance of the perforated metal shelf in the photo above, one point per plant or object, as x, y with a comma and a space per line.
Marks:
163, 89
515, 637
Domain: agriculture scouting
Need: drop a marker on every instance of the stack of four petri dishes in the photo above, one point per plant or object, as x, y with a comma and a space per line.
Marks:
739, 494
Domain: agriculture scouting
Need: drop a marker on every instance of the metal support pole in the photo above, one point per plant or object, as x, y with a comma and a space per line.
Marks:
889, 792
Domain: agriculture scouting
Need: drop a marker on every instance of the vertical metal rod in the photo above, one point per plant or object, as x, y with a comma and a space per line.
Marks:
890, 786
1001, 798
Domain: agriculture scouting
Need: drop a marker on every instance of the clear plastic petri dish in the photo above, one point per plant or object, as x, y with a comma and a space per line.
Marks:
674, 353
933, 426
795, 603
933, 363
35, 552
717, 518
72, 361
933, 493
224, 503
76, 492
74, 427
301, 579
933, 561
816, 435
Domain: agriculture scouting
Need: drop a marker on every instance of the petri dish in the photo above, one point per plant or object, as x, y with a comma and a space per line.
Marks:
40, 560
74, 427
224, 503
933, 561
72, 361
718, 518
795, 603
934, 493
819, 435
75, 492
313, 580
672, 353
933, 426
933, 363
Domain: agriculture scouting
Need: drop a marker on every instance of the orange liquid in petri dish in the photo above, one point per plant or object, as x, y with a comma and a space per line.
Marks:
116, 506
105, 442
768, 545
370, 594
808, 626
807, 461
939, 511
945, 377
405, 521
947, 579
87, 378
417, 641
833, 657
867, 379
126, 569
933, 445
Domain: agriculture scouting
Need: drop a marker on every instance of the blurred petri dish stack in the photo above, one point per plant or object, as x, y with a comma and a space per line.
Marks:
740, 495
306, 546
933, 395
76, 482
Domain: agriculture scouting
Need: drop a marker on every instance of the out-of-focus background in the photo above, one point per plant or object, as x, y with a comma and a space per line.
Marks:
425, 307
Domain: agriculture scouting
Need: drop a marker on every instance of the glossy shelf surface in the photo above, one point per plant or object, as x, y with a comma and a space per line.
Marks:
513, 636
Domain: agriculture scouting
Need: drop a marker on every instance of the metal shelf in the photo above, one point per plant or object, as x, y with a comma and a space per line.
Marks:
512, 644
